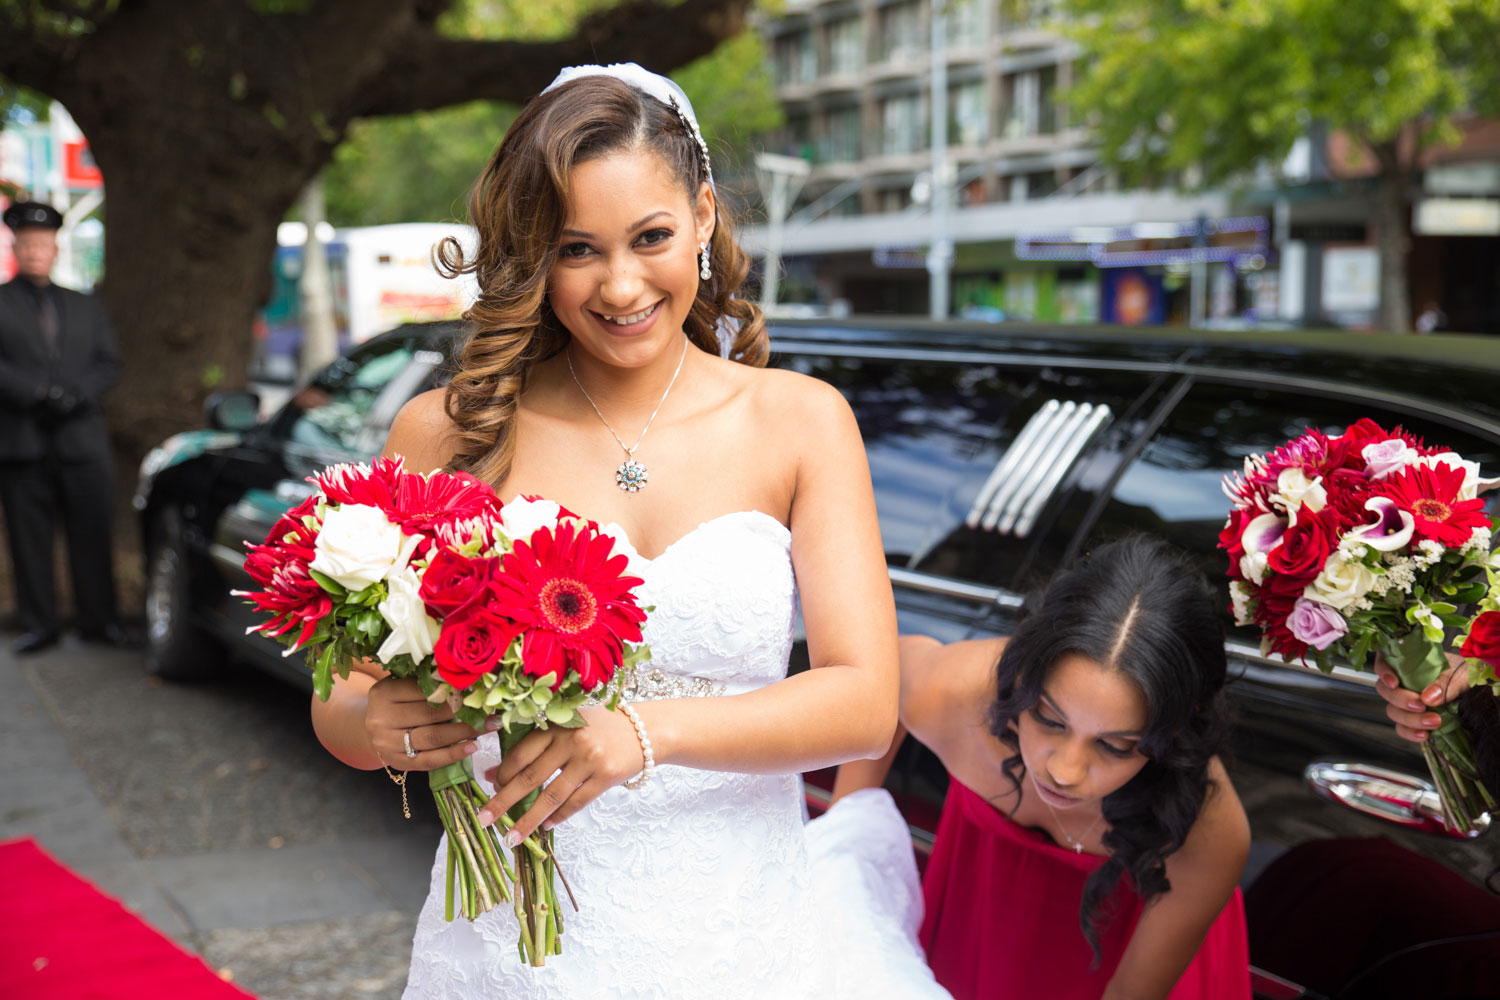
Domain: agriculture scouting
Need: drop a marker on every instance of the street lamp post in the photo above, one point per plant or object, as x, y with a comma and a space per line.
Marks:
940, 253
780, 178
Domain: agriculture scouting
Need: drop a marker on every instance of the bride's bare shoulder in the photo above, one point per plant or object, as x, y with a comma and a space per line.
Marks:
806, 407
423, 432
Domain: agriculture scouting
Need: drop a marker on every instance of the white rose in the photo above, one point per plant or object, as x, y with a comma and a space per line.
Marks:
1239, 597
1253, 567
358, 546
520, 518
1294, 489
413, 630
1342, 582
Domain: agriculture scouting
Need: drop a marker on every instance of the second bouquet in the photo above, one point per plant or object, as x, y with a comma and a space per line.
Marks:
523, 612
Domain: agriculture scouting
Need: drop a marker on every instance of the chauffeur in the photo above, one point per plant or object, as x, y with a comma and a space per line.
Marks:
57, 358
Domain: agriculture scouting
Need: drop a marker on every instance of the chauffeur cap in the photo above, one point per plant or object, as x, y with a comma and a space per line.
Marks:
25, 214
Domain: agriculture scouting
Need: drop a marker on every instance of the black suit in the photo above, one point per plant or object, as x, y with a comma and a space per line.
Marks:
55, 450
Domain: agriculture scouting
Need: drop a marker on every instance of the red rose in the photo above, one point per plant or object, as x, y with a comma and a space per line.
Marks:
471, 647
1229, 539
1304, 548
1483, 642
455, 586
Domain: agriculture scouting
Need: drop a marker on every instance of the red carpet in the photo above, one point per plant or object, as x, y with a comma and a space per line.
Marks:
63, 939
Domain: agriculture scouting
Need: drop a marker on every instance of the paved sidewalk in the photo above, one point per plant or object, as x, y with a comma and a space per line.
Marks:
128, 782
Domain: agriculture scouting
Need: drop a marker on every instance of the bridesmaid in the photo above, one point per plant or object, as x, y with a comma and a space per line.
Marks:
1091, 842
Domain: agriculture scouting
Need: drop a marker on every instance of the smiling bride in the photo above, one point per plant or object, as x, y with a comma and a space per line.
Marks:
611, 369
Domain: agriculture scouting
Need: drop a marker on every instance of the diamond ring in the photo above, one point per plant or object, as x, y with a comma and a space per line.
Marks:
406, 738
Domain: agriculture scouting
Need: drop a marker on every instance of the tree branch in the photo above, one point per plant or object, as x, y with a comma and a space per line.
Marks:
429, 71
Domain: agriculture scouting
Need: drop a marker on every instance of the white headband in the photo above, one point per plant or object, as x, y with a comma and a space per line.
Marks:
652, 84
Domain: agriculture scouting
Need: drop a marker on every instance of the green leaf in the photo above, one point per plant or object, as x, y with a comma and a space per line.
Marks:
323, 673
560, 713
327, 582
1361, 652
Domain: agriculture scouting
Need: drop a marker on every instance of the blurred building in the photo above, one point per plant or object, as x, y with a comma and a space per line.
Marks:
855, 80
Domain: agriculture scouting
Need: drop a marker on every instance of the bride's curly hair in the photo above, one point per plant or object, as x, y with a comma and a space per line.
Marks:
1140, 607
519, 208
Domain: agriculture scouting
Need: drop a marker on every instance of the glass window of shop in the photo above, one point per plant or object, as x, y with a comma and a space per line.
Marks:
905, 124
794, 58
1021, 113
966, 23
839, 142
968, 114
902, 36
846, 47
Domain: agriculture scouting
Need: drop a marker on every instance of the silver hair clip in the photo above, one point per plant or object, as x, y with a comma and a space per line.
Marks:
692, 130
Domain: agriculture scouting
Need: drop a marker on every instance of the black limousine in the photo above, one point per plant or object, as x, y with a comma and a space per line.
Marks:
998, 452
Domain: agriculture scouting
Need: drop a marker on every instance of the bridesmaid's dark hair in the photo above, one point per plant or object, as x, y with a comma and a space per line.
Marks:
1138, 606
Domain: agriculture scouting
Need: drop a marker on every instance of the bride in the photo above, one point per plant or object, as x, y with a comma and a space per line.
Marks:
598, 376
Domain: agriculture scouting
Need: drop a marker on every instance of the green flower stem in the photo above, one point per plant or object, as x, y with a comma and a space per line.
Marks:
523, 908
488, 870
1448, 752
448, 882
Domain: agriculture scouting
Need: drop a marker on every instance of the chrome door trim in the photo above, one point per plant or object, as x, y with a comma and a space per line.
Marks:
1028, 457
966, 357
1245, 651
929, 584
1084, 426
1004, 473
1386, 795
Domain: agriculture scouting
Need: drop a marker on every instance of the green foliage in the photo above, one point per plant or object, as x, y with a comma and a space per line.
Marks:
420, 168
413, 168
1225, 83
734, 96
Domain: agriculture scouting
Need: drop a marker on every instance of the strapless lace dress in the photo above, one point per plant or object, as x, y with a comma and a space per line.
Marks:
700, 884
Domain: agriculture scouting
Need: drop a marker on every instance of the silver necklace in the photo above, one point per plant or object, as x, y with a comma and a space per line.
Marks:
631, 476
1077, 844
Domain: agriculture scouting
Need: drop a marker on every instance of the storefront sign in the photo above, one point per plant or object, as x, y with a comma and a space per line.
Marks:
1457, 217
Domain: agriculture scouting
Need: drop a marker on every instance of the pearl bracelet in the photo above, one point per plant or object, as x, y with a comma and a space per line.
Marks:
649, 769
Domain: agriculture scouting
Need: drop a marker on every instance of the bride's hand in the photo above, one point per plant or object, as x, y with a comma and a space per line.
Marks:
587, 761
396, 707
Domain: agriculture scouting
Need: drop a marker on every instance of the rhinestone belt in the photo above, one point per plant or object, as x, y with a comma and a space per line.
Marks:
653, 685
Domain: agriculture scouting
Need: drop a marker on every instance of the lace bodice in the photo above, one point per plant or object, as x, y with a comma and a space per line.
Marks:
697, 885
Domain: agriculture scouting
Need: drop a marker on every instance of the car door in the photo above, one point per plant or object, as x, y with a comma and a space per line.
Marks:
342, 415
1287, 716
968, 457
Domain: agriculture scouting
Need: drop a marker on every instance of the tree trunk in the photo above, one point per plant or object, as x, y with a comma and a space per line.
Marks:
1391, 219
320, 339
187, 261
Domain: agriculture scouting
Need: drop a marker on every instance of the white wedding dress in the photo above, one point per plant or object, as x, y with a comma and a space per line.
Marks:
706, 884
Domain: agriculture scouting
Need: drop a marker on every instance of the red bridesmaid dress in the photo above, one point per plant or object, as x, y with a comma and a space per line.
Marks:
1001, 917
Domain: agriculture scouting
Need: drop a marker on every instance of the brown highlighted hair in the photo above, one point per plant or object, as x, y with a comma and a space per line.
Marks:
519, 208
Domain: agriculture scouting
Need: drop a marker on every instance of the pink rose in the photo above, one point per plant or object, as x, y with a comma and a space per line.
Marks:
1386, 457
1316, 624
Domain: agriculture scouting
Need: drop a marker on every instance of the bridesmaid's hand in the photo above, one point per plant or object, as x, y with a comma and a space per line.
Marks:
397, 707
1409, 710
587, 761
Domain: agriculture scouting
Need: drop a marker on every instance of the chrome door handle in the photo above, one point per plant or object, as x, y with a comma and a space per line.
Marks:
1385, 794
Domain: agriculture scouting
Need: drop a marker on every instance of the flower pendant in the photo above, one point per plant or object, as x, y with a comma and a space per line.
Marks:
631, 476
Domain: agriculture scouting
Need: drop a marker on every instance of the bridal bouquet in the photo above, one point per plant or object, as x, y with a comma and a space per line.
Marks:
1365, 542
522, 611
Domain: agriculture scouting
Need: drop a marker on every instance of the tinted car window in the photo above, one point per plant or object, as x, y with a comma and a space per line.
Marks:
925, 426
1174, 488
329, 413
1000, 549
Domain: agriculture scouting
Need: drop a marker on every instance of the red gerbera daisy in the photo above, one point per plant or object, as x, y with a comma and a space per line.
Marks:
565, 588
1431, 495
289, 593
417, 503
